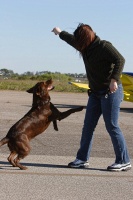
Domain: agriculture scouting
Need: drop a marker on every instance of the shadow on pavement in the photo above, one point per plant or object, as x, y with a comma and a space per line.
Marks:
127, 110
48, 166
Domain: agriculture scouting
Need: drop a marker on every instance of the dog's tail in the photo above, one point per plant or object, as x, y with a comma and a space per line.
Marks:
5, 140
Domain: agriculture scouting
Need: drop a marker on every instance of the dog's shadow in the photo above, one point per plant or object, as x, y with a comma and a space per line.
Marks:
7, 164
124, 109
64, 106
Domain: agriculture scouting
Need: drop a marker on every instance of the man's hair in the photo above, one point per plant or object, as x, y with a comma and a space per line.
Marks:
84, 36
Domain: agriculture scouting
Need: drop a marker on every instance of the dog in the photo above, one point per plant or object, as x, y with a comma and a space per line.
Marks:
33, 123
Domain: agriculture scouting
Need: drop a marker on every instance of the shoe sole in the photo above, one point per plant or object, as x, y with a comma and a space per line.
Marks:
78, 166
121, 169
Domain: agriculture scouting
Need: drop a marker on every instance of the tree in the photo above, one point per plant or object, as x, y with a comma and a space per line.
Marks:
6, 73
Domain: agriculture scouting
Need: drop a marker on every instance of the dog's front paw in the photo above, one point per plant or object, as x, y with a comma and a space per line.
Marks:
56, 128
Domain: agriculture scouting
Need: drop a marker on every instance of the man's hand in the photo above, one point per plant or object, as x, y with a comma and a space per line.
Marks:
113, 85
56, 30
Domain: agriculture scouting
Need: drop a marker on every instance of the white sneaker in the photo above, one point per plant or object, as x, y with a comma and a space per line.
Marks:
119, 167
78, 164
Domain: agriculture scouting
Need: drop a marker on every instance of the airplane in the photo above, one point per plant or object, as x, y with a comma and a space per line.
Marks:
127, 82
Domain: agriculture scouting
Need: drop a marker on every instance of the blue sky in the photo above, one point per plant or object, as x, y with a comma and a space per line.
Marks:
27, 43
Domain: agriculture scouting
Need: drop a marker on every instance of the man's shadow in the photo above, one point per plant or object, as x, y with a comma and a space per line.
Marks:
7, 164
126, 110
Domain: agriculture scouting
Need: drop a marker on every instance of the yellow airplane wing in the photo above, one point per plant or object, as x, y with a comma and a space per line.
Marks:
127, 82
80, 85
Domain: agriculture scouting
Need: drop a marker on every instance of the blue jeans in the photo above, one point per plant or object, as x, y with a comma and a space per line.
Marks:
108, 106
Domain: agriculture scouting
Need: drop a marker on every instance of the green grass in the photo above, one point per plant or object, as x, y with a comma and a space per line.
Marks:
23, 85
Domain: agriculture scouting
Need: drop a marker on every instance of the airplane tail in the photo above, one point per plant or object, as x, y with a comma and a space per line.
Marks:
5, 140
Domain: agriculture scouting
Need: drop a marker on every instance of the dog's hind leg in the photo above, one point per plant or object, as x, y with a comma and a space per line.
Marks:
17, 160
20, 156
23, 149
11, 158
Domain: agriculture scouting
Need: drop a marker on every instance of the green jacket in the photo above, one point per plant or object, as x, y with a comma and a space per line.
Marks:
102, 62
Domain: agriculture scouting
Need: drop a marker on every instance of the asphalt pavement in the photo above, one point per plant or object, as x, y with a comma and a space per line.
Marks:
47, 176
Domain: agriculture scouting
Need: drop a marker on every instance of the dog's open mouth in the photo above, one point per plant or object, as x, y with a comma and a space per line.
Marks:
52, 87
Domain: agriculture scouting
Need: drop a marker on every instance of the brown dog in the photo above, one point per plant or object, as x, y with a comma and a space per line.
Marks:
33, 123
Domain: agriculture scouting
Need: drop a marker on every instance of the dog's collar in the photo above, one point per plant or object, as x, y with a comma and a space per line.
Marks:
41, 103
45, 102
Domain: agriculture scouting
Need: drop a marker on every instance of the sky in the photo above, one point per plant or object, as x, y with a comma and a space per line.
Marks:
27, 43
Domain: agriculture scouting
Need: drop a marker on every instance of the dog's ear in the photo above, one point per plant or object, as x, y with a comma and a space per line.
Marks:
49, 84
31, 90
